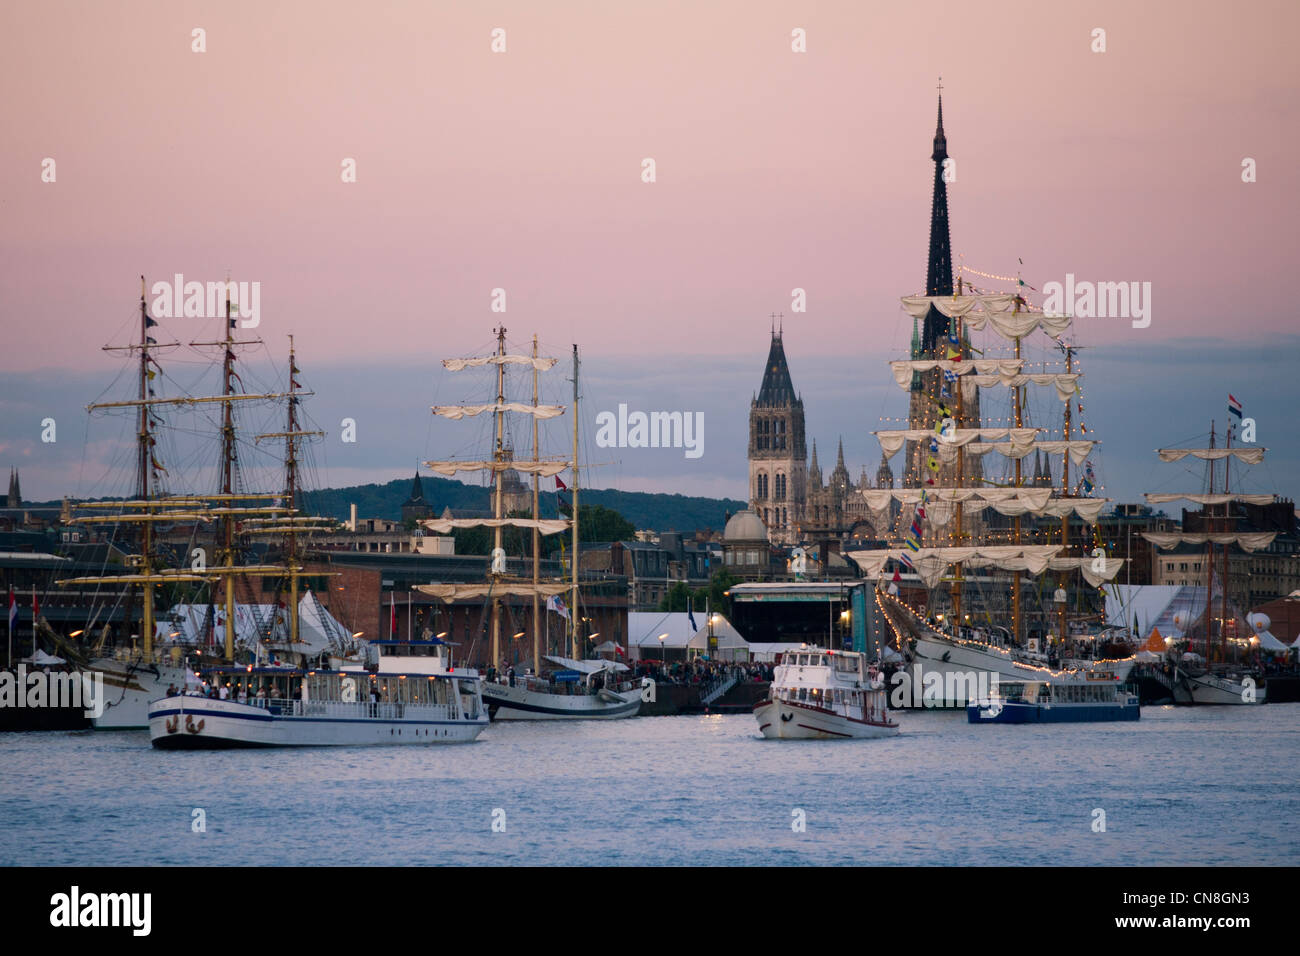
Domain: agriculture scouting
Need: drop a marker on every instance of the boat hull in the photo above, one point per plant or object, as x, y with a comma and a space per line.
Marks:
129, 688
785, 720
1021, 713
1211, 690
955, 662
200, 723
518, 703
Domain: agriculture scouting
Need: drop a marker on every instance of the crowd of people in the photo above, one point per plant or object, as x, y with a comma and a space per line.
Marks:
701, 671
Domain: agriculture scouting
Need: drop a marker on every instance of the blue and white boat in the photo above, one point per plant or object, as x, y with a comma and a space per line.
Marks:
409, 692
1071, 700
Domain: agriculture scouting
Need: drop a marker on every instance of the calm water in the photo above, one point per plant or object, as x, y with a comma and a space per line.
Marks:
1181, 786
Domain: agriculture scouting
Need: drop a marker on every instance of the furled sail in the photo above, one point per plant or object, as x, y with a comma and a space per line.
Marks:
461, 411
932, 563
453, 592
1160, 498
1250, 456
1247, 541
544, 468
878, 498
998, 311
892, 440
987, 373
1096, 571
456, 365
544, 525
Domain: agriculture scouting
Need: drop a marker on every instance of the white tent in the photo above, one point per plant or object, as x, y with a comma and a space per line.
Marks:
645, 627
1267, 642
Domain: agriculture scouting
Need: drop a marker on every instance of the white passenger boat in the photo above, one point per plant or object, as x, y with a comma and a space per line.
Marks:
411, 694
824, 695
1080, 699
580, 690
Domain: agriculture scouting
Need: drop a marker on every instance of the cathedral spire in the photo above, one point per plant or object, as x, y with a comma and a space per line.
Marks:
814, 470
777, 388
938, 275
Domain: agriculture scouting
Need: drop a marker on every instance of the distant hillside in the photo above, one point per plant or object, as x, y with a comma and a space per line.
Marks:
645, 510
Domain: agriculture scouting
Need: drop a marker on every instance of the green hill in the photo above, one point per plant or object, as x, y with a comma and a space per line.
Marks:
645, 510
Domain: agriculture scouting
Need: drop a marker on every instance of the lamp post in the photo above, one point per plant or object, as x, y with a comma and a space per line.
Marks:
662, 653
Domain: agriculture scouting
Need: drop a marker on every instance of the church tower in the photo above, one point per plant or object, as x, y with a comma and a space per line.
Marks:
415, 508
930, 341
777, 453
15, 499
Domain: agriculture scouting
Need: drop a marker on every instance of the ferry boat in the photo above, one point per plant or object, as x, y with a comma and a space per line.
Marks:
824, 695
410, 694
581, 690
1073, 700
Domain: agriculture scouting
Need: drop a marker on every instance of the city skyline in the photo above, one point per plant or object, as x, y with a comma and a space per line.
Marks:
776, 170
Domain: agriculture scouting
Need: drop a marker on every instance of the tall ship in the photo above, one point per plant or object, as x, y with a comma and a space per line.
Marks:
203, 619
1007, 586
557, 687
1223, 673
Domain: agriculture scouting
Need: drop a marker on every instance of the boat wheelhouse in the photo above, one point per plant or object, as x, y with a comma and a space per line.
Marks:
825, 695
1055, 701
410, 693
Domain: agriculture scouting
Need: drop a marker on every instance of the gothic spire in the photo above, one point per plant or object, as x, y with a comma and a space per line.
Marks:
938, 275
814, 470
417, 492
777, 389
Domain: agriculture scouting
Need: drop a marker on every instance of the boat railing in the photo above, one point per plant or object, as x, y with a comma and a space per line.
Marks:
378, 710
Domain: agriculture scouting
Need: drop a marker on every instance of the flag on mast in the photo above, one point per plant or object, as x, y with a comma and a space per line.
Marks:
13, 610
1234, 407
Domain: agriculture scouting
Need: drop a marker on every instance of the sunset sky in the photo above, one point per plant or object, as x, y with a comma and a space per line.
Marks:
521, 170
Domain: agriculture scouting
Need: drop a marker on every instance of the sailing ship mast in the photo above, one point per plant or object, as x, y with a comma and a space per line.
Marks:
500, 584
574, 612
1217, 529
292, 525
537, 534
498, 456
1006, 315
151, 508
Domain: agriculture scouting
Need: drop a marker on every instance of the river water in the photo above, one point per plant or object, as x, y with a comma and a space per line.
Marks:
1180, 786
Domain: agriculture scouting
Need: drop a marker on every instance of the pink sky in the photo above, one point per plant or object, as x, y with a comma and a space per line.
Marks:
521, 170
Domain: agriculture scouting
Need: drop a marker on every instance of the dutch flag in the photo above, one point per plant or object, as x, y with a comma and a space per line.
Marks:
1234, 407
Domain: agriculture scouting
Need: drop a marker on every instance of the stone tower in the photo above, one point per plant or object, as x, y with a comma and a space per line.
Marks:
777, 453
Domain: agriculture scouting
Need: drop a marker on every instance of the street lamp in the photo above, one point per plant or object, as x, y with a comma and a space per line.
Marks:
662, 653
